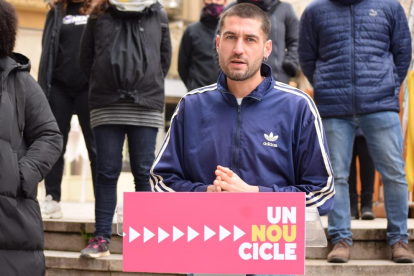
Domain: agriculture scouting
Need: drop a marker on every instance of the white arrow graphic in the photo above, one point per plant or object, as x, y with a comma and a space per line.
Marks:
238, 233
177, 233
208, 233
147, 235
133, 234
191, 234
162, 235
224, 233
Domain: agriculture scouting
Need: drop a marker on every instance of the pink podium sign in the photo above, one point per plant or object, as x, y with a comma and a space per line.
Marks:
223, 233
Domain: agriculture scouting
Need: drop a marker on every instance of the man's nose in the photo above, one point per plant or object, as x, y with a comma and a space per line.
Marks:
239, 46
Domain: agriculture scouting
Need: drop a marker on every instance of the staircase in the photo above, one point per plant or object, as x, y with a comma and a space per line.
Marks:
370, 254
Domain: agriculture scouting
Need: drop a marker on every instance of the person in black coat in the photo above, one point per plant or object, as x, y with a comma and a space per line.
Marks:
66, 88
125, 54
30, 143
196, 57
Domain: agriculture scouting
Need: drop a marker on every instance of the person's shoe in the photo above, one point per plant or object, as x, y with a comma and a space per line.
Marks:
367, 214
340, 252
97, 247
401, 253
50, 208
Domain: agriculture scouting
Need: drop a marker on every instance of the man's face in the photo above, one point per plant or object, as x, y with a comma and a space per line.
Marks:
218, 2
241, 47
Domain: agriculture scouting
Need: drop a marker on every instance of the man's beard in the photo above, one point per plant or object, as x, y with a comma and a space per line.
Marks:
235, 75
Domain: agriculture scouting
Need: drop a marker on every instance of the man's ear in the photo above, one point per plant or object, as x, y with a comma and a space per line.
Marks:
217, 42
268, 48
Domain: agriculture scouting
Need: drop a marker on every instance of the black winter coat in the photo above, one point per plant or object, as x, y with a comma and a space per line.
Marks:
126, 55
50, 47
284, 34
30, 143
196, 57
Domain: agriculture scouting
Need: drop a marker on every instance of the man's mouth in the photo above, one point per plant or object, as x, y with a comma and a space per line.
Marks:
237, 61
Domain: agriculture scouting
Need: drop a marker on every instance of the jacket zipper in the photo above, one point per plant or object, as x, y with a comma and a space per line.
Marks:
1, 85
353, 59
236, 149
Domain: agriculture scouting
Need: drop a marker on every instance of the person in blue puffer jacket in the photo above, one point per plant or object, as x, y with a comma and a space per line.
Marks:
356, 54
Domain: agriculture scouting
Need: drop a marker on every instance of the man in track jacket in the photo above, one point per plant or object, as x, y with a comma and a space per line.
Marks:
356, 54
263, 133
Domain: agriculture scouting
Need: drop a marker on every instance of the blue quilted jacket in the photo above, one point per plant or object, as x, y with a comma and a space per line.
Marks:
356, 54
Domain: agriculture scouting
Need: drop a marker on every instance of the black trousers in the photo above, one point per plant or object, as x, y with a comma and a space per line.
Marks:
367, 174
64, 102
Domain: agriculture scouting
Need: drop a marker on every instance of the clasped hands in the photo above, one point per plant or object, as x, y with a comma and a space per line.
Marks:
228, 181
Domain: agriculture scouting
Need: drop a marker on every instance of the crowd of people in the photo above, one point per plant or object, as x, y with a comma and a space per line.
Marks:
240, 128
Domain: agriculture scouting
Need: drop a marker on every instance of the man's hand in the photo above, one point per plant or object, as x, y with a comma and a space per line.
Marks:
228, 181
213, 189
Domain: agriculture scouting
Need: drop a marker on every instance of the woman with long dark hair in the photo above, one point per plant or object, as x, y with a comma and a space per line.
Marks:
125, 54
66, 88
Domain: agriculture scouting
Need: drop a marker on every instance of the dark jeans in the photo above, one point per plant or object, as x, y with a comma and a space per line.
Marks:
109, 143
63, 103
367, 174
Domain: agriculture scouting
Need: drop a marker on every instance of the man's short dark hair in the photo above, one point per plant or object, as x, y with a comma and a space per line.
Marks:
247, 10
8, 28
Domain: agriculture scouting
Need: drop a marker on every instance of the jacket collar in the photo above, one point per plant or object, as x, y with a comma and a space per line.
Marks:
134, 14
58, 9
348, 2
265, 5
258, 93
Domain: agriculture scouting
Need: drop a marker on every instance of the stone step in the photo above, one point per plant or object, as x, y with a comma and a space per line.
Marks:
369, 241
69, 264
369, 238
358, 268
73, 235
64, 263
361, 250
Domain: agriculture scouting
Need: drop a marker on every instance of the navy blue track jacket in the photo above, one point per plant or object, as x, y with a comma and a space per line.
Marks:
274, 139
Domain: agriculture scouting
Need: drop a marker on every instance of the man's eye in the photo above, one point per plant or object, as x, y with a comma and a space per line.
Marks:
251, 39
230, 37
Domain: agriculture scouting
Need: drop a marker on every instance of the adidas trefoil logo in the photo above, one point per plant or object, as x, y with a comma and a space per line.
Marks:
270, 138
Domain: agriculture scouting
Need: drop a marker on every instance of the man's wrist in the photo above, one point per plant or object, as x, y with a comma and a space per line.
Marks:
254, 189
202, 188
